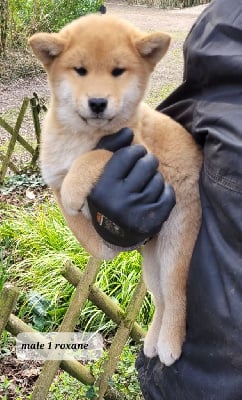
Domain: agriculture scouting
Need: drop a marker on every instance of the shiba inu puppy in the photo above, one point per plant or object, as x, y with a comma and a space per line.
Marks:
98, 68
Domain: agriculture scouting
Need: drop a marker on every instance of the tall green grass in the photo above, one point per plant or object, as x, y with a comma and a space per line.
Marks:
40, 243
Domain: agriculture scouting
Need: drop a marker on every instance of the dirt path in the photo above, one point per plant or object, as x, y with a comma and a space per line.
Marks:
147, 18
167, 75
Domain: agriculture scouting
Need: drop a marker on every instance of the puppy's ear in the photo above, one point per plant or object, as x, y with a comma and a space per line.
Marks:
46, 46
153, 46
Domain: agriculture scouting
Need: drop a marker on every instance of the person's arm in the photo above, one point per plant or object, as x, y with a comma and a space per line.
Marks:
131, 201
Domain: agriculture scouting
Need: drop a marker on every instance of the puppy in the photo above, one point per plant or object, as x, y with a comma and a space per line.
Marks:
98, 68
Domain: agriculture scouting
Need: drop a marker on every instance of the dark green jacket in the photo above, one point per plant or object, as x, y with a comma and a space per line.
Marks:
209, 105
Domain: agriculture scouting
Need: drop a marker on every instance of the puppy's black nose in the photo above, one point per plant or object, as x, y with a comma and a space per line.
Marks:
97, 105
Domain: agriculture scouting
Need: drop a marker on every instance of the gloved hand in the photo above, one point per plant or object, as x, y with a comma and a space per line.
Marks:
114, 142
131, 201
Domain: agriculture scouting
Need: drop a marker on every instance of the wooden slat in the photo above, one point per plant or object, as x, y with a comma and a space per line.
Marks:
121, 338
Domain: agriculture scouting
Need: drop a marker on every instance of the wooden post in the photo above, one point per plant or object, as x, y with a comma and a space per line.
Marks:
8, 298
4, 16
35, 115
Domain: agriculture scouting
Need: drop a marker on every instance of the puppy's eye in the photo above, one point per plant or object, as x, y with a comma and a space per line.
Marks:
118, 71
81, 71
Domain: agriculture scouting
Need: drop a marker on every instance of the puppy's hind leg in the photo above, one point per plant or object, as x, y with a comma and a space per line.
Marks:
177, 240
172, 332
151, 274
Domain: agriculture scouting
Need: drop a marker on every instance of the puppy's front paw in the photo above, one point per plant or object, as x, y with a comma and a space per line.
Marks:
169, 349
73, 194
71, 204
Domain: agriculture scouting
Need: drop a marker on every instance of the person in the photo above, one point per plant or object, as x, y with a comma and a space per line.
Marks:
209, 104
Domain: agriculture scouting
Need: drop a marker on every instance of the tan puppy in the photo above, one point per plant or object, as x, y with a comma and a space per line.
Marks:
98, 69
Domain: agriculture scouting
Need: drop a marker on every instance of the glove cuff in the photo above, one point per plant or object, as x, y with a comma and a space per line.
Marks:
114, 235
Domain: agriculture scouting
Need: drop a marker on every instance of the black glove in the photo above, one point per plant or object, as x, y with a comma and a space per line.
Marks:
131, 201
114, 142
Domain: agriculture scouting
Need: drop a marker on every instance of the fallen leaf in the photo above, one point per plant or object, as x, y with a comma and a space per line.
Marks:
30, 195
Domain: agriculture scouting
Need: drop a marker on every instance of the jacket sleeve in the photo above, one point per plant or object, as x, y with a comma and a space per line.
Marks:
208, 103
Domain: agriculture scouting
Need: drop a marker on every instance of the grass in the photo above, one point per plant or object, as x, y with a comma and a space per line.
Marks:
35, 245
40, 244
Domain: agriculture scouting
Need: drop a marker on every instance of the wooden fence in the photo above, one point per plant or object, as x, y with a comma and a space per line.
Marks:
85, 289
15, 137
168, 3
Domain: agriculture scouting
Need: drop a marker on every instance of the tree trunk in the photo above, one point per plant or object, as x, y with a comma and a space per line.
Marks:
3, 25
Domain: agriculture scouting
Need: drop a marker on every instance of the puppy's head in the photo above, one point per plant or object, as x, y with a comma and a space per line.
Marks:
98, 68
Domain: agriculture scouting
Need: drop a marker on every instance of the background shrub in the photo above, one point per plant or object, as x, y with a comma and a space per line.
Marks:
21, 18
